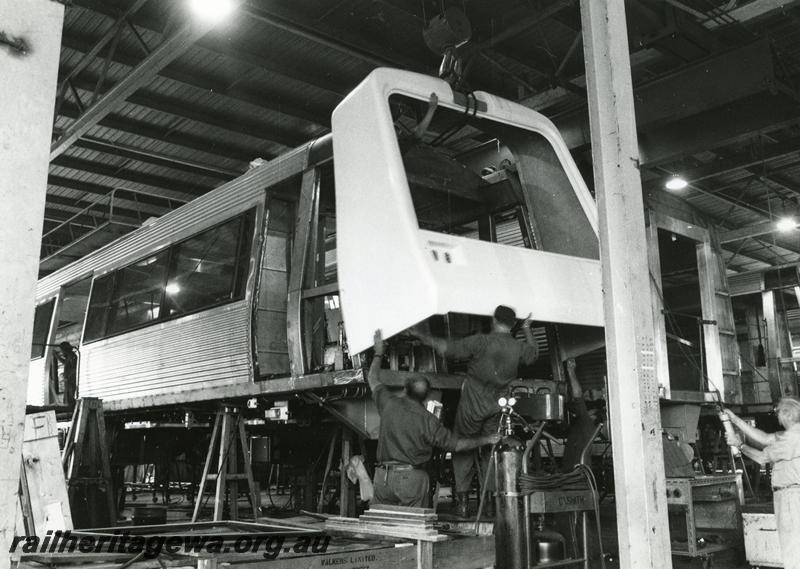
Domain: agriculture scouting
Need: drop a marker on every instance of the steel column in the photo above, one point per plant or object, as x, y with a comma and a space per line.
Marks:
632, 383
26, 106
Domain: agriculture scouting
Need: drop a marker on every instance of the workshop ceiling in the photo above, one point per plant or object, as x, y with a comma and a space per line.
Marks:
153, 112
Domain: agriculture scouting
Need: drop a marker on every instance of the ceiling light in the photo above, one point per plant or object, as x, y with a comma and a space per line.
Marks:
172, 288
786, 224
676, 183
212, 10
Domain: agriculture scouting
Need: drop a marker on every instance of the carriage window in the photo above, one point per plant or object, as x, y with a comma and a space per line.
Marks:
210, 268
202, 271
99, 306
41, 328
137, 295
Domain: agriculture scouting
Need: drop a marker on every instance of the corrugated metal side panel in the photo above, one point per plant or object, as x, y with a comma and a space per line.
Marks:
744, 284
208, 349
36, 382
219, 204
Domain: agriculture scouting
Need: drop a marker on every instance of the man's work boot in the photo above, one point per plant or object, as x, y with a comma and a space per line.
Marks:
462, 504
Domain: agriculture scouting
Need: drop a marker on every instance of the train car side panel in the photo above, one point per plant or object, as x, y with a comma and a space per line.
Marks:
208, 349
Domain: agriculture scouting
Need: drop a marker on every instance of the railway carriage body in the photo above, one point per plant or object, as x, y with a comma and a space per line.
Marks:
243, 291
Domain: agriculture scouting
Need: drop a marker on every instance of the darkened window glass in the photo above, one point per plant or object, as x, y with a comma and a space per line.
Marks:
205, 268
99, 307
138, 293
203, 271
41, 328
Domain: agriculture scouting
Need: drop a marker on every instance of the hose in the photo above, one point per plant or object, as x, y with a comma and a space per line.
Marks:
580, 478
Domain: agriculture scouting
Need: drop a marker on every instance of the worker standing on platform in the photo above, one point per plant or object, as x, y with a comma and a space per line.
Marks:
782, 450
408, 434
69, 358
583, 424
493, 363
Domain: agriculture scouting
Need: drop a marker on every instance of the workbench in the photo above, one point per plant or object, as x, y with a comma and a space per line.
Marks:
711, 512
345, 551
761, 545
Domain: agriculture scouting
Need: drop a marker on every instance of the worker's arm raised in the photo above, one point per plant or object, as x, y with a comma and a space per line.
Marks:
531, 352
757, 436
438, 344
380, 392
576, 391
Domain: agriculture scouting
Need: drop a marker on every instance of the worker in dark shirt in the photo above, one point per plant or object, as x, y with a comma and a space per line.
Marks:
582, 426
408, 434
69, 359
493, 363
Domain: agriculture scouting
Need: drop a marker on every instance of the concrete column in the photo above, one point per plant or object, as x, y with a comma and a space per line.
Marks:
630, 345
27, 100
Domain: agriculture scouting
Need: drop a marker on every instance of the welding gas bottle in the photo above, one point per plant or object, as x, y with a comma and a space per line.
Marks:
509, 532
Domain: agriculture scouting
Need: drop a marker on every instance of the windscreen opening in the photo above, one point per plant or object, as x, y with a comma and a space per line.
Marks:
484, 180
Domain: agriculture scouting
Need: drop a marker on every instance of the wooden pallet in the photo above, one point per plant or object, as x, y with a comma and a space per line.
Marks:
394, 521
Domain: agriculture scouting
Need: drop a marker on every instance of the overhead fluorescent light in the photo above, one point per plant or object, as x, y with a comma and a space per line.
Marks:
676, 183
785, 224
212, 10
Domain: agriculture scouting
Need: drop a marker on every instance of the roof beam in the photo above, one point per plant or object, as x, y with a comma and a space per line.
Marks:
747, 207
168, 50
89, 56
763, 228
287, 69
211, 117
527, 23
77, 205
753, 10
120, 173
161, 201
338, 39
218, 86
735, 162
157, 159
170, 136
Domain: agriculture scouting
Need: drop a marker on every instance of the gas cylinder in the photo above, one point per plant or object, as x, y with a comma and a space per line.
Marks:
509, 531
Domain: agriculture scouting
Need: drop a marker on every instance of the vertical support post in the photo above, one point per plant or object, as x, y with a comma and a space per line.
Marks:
774, 371
222, 478
657, 301
632, 384
25, 129
706, 272
232, 478
346, 494
303, 236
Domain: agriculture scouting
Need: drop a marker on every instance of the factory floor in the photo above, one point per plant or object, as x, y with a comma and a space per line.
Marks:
277, 505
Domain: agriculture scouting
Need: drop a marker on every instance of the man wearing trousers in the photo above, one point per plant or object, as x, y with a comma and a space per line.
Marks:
782, 450
407, 437
493, 361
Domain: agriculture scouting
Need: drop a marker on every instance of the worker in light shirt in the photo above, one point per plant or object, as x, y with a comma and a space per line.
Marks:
782, 450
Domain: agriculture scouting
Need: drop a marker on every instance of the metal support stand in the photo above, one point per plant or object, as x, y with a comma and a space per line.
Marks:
87, 467
228, 427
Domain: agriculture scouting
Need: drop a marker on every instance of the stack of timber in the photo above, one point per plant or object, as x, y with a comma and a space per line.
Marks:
393, 521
